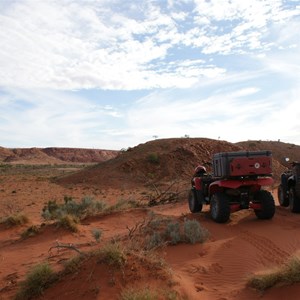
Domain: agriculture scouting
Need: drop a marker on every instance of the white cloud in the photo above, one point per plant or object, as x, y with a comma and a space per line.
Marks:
68, 45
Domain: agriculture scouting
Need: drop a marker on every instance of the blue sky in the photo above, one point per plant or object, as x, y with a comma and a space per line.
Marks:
112, 74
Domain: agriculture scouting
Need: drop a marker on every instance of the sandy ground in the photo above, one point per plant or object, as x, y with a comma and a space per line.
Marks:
218, 269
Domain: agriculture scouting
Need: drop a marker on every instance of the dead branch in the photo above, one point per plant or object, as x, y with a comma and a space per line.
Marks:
138, 226
64, 245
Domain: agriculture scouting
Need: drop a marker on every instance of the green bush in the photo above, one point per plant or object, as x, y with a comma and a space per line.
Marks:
37, 280
194, 232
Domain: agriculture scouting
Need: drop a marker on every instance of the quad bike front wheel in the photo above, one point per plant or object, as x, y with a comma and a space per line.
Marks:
220, 207
195, 204
267, 202
294, 201
283, 197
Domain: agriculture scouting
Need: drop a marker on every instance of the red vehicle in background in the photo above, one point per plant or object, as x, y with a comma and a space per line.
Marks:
236, 183
289, 188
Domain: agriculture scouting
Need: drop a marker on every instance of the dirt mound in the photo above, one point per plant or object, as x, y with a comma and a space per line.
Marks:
88, 281
161, 160
55, 155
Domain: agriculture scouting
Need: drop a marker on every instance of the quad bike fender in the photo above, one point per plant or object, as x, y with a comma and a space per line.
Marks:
219, 185
197, 183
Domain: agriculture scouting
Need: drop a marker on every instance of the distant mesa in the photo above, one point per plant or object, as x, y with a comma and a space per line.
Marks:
53, 155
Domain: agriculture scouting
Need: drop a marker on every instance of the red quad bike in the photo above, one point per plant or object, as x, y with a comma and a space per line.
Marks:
236, 184
289, 188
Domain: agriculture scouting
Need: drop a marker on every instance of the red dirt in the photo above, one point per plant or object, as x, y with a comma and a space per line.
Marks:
215, 270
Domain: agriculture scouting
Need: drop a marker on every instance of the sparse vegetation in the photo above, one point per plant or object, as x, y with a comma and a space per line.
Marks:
113, 254
139, 294
121, 205
31, 231
37, 280
154, 240
158, 231
146, 293
97, 233
70, 213
288, 273
73, 264
173, 231
153, 158
69, 222
194, 232
86, 207
15, 220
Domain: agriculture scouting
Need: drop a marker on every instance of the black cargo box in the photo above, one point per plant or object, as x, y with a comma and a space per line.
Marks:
242, 163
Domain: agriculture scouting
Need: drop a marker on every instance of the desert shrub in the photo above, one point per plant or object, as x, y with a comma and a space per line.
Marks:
49, 211
31, 231
86, 207
173, 233
69, 222
194, 232
122, 204
113, 254
73, 265
36, 281
264, 281
155, 240
139, 294
157, 231
97, 234
153, 158
15, 220
288, 273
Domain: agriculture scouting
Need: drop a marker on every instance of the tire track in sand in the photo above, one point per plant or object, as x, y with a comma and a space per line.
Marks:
269, 251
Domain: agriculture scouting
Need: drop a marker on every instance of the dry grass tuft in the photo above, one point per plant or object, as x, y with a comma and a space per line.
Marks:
288, 273
15, 220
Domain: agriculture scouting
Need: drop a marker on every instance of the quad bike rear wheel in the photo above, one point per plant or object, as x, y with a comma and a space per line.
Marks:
220, 207
283, 197
195, 204
267, 202
294, 201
